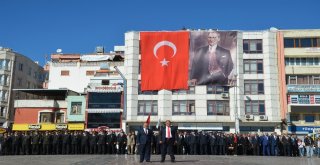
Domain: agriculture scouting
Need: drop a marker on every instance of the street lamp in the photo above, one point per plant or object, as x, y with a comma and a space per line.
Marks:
236, 115
124, 114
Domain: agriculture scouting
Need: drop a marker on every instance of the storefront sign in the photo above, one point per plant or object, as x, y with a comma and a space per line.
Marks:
78, 126
304, 99
302, 129
303, 88
61, 126
34, 126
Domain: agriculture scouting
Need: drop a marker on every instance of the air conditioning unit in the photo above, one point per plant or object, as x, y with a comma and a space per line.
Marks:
225, 95
263, 118
249, 117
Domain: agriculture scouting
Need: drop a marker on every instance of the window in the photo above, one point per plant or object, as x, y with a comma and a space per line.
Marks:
3, 95
302, 79
19, 82
64, 73
309, 118
98, 100
29, 71
146, 107
4, 79
183, 107
253, 87
35, 75
316, 79
28, 84
294, 117
253, 66
301, 42
76, 108
252, 46
212, 89
254, 107
5, 64
2, 111
60, 117
45, 117
145, 92
89, 72
289, 43
105, 82
20, 67
190, 91
111, 120
220, 108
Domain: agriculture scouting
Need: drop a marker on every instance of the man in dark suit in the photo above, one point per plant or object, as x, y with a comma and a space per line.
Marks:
144, 141
168, 139
211, 63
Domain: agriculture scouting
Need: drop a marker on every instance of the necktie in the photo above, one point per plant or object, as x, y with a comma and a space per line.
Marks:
168, 131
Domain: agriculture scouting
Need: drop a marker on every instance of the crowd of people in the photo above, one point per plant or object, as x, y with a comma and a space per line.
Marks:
187, 143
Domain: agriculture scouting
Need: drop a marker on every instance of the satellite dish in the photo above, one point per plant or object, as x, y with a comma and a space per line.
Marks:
59, 50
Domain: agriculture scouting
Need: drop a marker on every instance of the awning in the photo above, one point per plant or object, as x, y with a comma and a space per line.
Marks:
105, 110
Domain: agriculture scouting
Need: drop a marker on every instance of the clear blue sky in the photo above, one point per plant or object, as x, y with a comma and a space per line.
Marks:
38, 27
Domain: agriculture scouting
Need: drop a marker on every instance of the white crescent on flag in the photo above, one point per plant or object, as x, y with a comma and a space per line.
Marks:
164, 43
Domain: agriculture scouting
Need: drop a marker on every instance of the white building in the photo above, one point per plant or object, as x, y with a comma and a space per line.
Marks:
74, 71
255, 97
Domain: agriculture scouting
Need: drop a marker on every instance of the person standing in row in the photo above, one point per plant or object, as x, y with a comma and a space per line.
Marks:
144, 142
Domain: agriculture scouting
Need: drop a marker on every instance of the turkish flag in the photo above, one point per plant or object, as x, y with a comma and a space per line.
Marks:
164, 60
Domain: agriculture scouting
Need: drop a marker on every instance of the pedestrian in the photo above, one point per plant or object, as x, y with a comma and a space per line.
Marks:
301, 147
144, 142
309, 146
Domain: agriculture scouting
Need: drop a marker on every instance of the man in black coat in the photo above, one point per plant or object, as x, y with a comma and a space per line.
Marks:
47, 138
93, 143
66, 143
180, 143
85, 143
203, 140
212, 140
56, 143
74, 143
35, 141
101, 142
26, 143
144, 141
168, 139
16, 143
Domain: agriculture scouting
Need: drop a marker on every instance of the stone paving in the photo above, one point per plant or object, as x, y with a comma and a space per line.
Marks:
155, 160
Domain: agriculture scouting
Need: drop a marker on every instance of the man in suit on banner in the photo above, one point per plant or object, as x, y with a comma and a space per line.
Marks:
144, 141
212, 63
168, 139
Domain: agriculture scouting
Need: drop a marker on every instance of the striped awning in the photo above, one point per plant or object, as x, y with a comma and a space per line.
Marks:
105, 110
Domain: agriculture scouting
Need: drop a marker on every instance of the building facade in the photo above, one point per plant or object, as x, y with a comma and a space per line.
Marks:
16, 72
48, 109
299, 55
253, 100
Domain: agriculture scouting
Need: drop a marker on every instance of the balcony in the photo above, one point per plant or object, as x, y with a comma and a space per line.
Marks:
40, 104
299, 52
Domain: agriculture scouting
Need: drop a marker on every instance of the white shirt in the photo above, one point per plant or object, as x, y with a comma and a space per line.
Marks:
145, 130
167, 132
212, 48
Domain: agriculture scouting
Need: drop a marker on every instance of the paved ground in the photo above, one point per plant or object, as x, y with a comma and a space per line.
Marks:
155, 160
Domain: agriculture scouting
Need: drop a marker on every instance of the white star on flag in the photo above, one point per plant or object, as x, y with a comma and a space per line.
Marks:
164, 62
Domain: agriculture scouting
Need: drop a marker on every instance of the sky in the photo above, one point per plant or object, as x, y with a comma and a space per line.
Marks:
36, 28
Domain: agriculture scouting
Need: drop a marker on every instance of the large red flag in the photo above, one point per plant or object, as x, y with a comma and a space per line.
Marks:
164, 60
